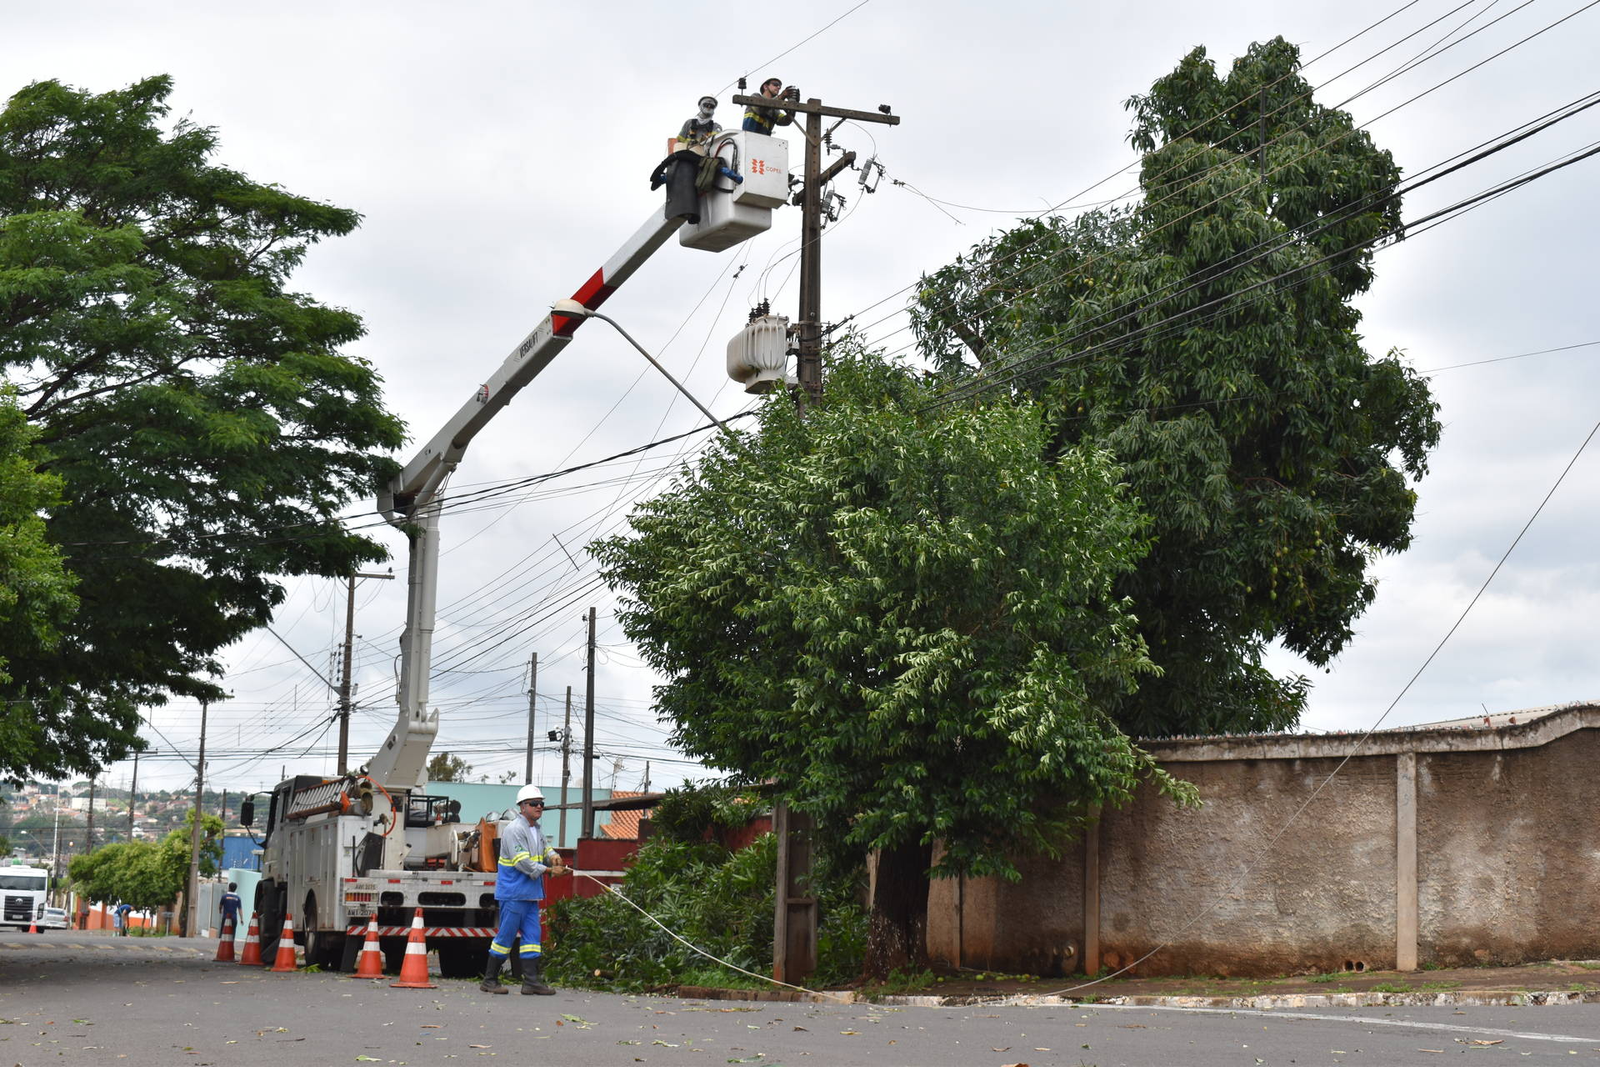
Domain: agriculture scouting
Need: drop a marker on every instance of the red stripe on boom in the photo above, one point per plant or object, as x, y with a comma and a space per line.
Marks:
591, 295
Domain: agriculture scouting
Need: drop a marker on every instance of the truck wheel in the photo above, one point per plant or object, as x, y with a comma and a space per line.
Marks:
323, 947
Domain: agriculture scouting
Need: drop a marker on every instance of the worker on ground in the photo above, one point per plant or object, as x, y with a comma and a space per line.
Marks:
230, 906
680, 171
525, 858
762, 119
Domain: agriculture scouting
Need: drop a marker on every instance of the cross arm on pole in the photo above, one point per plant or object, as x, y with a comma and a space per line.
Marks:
816, 107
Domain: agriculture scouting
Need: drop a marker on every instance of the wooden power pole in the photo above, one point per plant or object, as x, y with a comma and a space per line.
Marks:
344, 682
808, 363
587, 828
794, 947
566, 768
533, 686
191, 906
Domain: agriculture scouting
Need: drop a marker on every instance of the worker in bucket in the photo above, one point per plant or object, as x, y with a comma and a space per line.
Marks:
700, 127
680, 172
525, 858
762, 119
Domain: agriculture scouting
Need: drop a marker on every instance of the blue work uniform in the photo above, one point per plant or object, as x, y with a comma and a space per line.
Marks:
524, 857
231, 904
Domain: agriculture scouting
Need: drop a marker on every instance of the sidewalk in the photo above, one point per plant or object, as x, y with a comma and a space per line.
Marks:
1552, 982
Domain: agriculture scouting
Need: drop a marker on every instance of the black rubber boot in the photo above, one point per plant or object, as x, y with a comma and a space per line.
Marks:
532, 984
491, 975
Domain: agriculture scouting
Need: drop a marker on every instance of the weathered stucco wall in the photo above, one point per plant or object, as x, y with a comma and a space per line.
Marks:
1322, 895
1429, 846
1509, 853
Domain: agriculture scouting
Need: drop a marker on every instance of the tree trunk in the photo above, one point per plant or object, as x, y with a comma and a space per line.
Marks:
897, 927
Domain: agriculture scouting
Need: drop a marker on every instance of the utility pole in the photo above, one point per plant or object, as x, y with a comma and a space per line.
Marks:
808, 364
133, 793
794, 948
566, 763
88, 834
191, 911
587, 830
533, 686
55, 852
344, 682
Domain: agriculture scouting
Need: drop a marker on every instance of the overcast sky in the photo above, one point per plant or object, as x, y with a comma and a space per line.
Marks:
500, 153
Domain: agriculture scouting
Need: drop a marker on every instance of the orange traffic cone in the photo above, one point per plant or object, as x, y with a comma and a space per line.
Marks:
370, 965
225, 946
252, 942
33, 927
285, 960
414, 968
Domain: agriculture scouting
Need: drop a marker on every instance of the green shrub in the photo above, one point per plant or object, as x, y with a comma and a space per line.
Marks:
717, 900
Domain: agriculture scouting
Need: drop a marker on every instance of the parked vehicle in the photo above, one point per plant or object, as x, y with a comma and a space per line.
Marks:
22, 894
49, 918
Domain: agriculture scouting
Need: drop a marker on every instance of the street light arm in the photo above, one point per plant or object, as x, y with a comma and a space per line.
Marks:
573, 308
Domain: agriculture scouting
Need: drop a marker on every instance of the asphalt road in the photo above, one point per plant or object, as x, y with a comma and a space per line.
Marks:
85, 998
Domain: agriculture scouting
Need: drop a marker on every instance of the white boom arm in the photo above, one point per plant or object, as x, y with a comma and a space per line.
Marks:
411, 502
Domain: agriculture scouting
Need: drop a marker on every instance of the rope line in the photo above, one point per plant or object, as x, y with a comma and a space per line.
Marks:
616, 891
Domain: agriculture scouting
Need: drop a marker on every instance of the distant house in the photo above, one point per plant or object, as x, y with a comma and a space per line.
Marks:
623, 825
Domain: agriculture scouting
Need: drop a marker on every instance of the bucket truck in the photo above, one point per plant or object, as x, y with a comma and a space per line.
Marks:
339, 851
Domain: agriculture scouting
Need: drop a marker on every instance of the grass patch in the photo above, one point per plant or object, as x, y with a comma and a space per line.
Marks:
900, 982
1390, 987
720, 978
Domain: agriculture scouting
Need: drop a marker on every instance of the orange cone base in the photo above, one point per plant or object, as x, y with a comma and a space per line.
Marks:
284, 962
251, 956
225, 946
414, 968
370, 964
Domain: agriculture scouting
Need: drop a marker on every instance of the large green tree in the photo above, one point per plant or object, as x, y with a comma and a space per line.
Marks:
1205, 338
36, 596
904, 616
147, 874
198, 415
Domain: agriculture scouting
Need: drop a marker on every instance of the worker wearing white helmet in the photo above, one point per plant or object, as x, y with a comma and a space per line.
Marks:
525, 857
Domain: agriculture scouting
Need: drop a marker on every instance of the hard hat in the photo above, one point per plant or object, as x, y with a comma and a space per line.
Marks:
529, 792
703, 99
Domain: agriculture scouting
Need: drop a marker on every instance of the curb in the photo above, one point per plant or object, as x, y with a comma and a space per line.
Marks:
1516, 998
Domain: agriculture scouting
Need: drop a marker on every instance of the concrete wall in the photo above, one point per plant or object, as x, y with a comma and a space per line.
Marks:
1447, 845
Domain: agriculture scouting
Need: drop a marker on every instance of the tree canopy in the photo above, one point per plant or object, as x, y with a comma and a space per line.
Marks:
444, 767
36, 596
196, 416
147, 874
903, 615
1205, 338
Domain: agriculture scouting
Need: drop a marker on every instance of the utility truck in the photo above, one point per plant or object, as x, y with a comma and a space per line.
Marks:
375, 843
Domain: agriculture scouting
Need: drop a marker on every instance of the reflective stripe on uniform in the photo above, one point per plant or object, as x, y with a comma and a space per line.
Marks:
498, 949
530, 950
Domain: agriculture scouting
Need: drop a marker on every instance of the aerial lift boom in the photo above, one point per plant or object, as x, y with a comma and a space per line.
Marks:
411, 501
